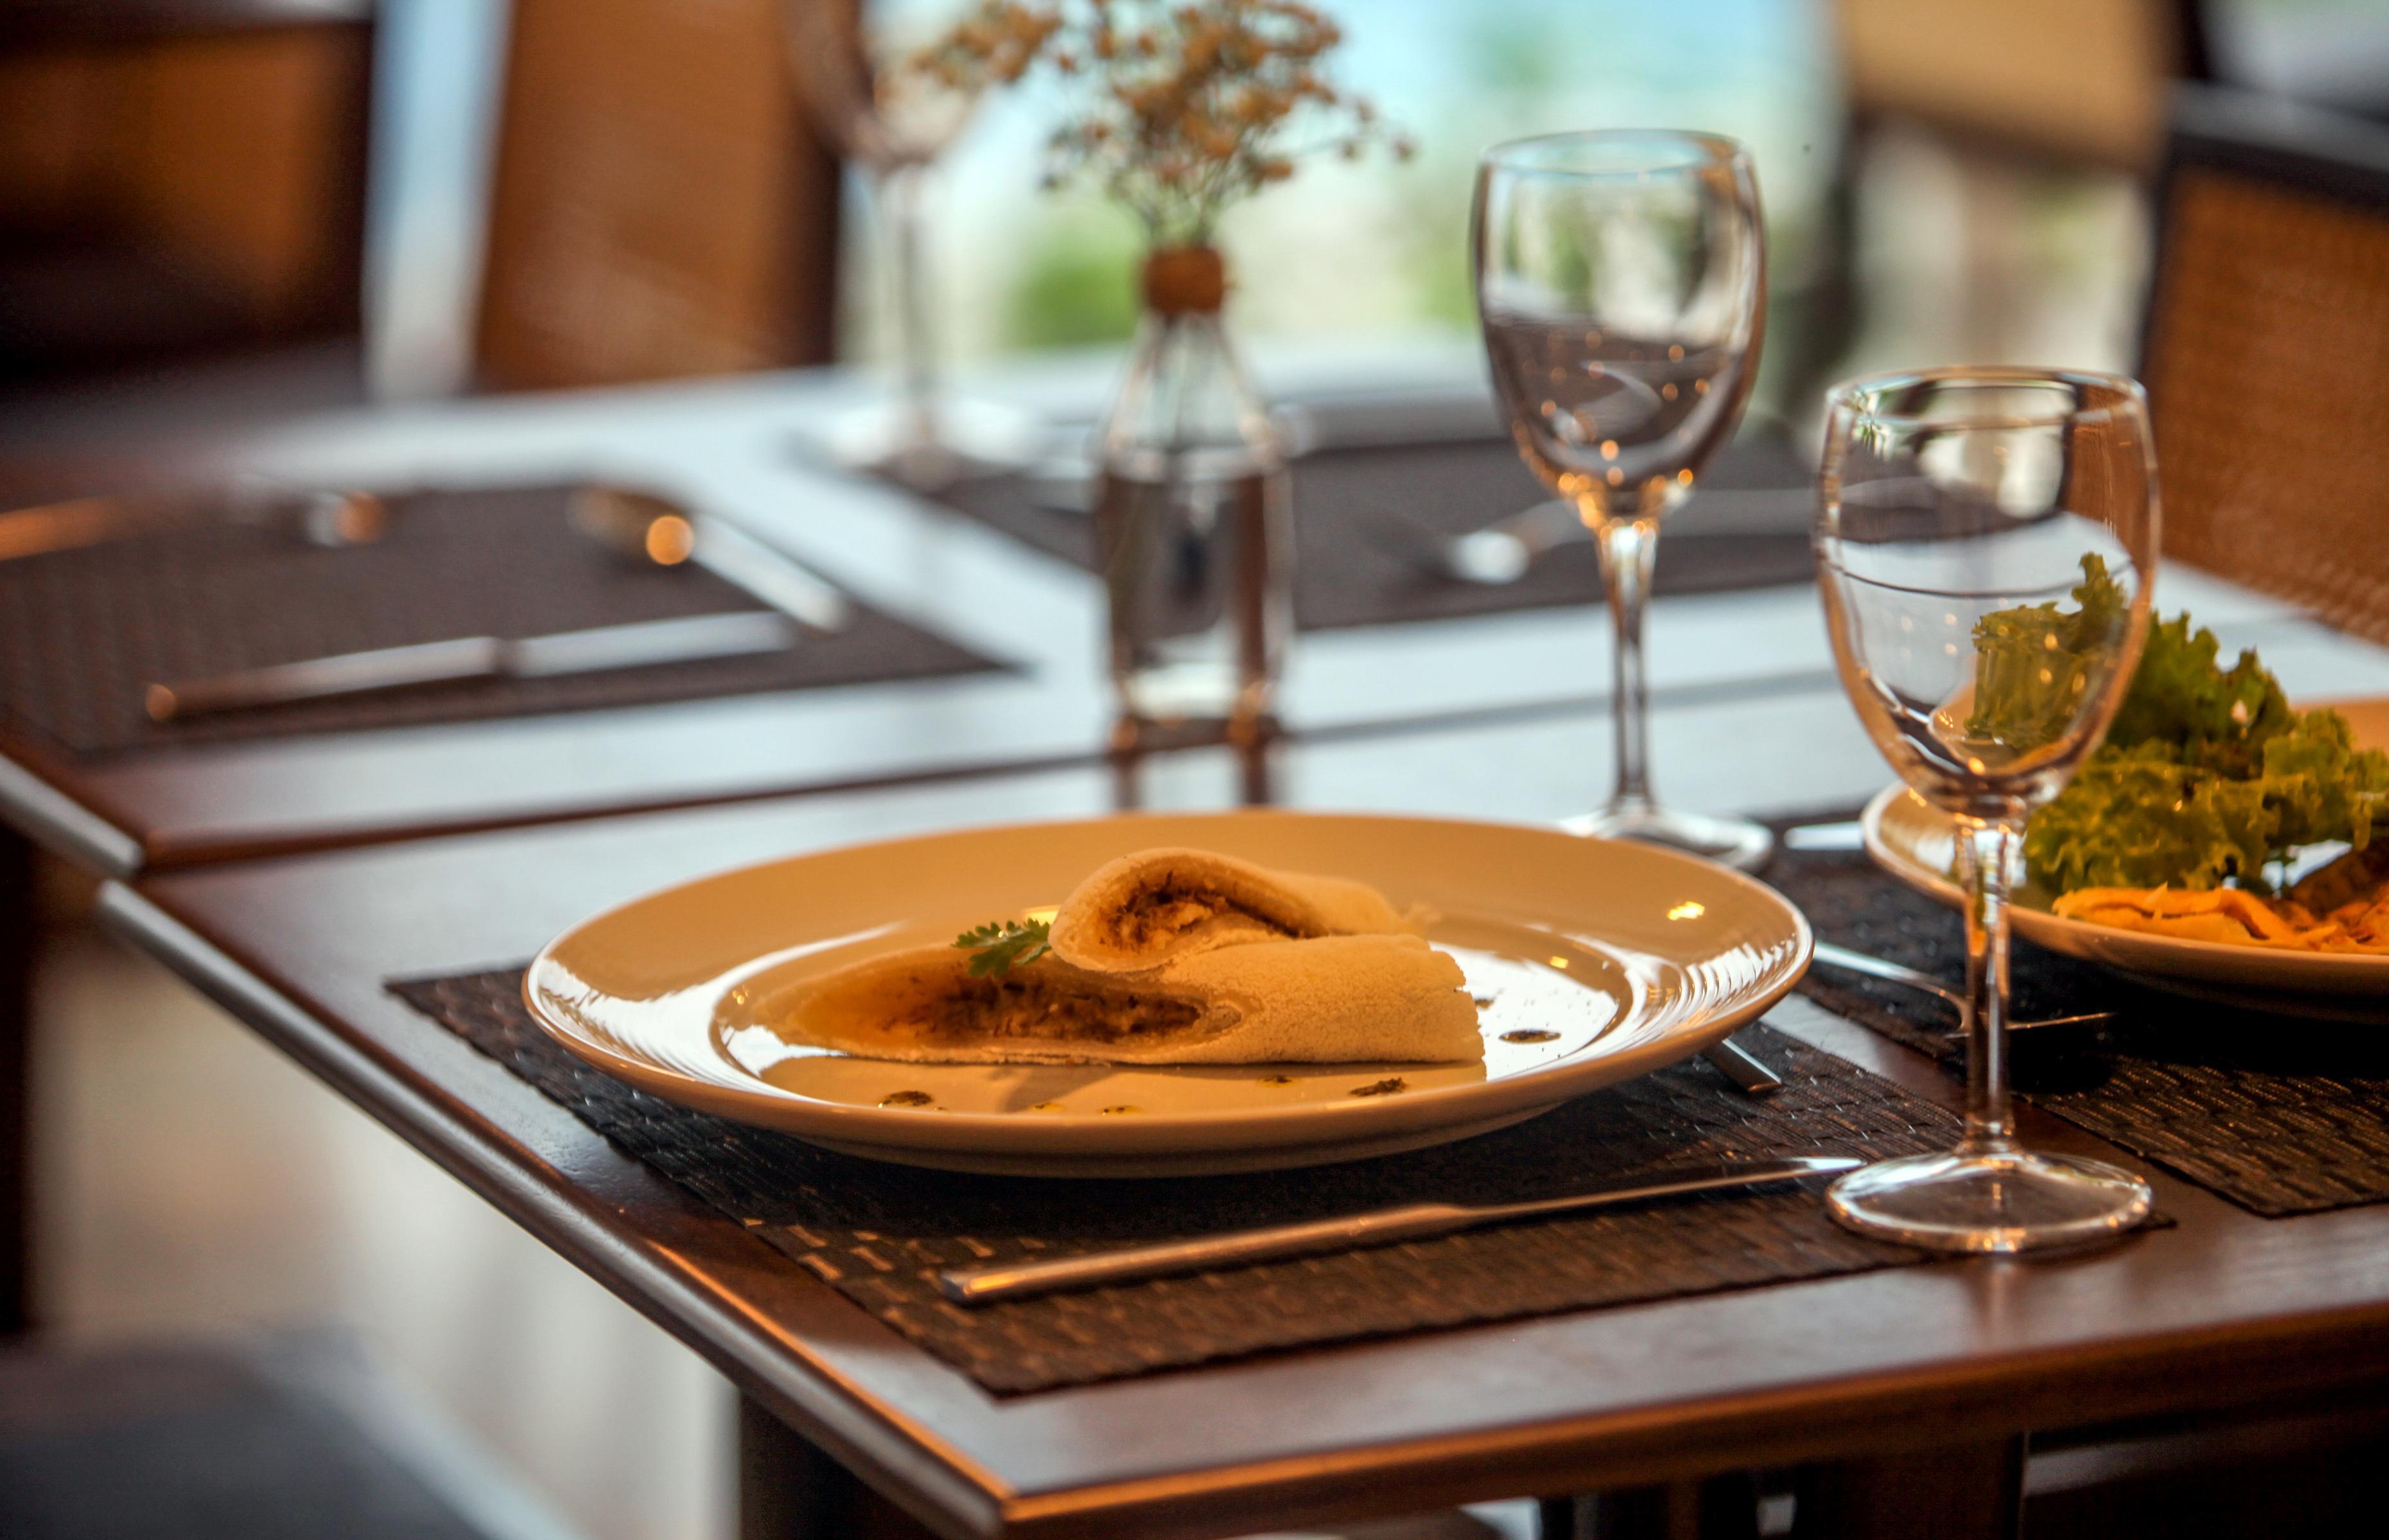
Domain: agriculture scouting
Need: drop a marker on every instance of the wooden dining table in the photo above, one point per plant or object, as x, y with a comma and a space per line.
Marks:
1910, 1383
745, 450
291, 879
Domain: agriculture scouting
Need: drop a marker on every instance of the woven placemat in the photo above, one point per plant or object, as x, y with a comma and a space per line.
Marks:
84, 631
1368, 518
877, 1232
2279, 1114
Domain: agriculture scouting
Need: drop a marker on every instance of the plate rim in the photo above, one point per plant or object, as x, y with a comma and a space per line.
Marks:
2081, 937
1063, 1134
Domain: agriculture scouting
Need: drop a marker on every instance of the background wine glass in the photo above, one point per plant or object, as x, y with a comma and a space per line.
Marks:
892, 125
1986, 543
1621, 283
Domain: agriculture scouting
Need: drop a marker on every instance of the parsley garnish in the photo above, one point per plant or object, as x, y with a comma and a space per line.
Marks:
1003, 943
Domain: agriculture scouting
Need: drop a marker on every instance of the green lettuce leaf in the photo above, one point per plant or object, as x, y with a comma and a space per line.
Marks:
2208, 774
2180, 696
2032, 663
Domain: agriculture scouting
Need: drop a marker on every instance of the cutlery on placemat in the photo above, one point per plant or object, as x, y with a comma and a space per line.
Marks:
1840, 835
1742, 1067
318, 517
1500, 552
1894, 973
652, 527
1379, 1228
1505, 551
466, 658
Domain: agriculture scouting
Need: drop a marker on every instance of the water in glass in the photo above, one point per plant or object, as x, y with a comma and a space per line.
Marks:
1985, 544
1193, 530
1621, 285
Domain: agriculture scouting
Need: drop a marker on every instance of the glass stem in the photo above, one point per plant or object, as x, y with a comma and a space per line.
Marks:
1984, 854
904, 193
1629, 547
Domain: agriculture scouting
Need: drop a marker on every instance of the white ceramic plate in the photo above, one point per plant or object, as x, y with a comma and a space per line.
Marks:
1916, 843
1602, 961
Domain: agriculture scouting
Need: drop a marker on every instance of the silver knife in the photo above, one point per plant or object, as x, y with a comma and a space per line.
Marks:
475, 658
1746, 1069
648, 526
1845, 834
318, 516
1381, 1227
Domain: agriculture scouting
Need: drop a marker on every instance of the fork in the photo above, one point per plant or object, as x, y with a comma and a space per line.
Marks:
1875, 967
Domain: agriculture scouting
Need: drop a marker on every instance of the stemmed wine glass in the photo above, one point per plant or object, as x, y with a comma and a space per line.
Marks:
1621, 283
892, 125
1985, 542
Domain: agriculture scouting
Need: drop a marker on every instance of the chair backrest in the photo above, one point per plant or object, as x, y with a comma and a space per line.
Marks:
179, 176
2267, 351
659, 206
2080, 82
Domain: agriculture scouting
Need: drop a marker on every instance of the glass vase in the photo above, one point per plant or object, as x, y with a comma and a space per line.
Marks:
1193, 521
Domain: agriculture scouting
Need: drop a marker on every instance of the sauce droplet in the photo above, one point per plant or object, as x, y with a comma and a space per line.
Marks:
1388, 1086
906, 1099
1046, 1107
1277, 1080
1115, 1112
1530, 1035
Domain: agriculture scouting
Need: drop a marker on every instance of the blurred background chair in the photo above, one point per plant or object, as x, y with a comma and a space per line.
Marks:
1995, 146
182, 211
2264, 355
2076, 81
181, 179
659, 208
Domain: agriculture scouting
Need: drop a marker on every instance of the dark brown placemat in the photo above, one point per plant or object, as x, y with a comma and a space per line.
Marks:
877, 1232
1367, 519
82, 633
2279, 1114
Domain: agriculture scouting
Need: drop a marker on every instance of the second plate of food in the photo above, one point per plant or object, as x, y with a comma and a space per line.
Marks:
1916, 843
1586, 963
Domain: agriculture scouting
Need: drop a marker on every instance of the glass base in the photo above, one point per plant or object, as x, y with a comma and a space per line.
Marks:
1733, 842
1994, 1201
973, 438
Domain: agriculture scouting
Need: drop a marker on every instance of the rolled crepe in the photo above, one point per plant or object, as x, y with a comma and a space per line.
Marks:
1142, 910
1334, 999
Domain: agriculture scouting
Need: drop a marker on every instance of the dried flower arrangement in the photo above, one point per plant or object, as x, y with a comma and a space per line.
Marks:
1189, 106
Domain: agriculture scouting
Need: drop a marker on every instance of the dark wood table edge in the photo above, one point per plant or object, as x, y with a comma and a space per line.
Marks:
461, 1144
1863, 1416
91, 834
53, 819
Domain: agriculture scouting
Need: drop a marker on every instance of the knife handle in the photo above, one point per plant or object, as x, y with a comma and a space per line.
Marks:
465, 657
980, 1285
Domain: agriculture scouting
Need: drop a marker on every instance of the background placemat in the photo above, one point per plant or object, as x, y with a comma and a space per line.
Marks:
1367, 518
877, 1232
2279, 1114
82, 633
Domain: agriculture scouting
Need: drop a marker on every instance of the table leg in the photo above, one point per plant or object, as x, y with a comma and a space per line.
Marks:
1722, 1508
16, 1032
1973, 1492
788, 1490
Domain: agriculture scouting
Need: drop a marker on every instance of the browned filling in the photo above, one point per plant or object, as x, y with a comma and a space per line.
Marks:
1018, 1006
1165, 912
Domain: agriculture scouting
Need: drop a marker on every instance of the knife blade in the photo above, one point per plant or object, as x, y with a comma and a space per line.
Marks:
649, 526
328, 518
1377, 1227
461, 659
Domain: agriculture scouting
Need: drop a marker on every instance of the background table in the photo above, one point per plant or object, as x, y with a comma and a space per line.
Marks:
736, 448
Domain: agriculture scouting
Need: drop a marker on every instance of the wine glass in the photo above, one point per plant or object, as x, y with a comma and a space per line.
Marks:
1621, 283
892, 123
1985, 542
